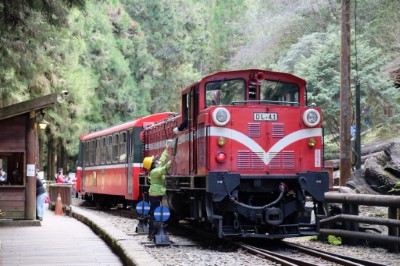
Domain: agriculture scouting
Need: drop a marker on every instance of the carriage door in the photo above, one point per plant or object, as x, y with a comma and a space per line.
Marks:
129, 149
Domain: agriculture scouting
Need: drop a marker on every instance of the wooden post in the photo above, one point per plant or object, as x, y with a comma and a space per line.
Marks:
345, 96
41, 153
393, 230
50, 156
30, 192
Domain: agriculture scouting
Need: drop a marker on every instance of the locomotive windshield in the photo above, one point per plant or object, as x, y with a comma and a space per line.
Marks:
225, 92
279, 92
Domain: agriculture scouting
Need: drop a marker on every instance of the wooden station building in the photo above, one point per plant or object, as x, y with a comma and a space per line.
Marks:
19, 157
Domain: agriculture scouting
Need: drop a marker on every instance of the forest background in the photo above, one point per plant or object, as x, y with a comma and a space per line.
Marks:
122, 59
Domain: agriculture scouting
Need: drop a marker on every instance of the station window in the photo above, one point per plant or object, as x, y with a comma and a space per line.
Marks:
11, 163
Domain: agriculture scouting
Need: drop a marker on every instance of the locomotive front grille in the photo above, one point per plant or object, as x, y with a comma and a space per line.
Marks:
282, 160
278, 130
243, 160
288, 160
254, 130
274, 160
257, 161
250, 160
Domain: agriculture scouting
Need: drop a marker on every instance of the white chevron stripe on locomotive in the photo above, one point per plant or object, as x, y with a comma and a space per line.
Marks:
248, 142
256, 148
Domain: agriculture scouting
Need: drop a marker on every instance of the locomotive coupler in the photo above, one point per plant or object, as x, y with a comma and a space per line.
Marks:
236, 221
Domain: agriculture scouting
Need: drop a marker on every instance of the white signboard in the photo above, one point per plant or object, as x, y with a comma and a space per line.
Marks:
30, 170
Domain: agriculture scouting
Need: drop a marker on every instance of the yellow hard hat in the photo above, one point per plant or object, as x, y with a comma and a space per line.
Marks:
147, 162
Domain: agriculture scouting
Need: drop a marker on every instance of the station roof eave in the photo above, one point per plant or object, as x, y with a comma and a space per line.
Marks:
28, 106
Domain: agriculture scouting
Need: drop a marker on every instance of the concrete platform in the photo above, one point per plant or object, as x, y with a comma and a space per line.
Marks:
83, 239
59, 240
130, 251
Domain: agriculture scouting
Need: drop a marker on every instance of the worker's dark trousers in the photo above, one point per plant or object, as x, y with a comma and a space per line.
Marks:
154, 203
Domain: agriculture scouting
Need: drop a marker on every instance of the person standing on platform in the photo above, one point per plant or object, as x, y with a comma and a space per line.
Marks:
157, 171
60, 176
40, 198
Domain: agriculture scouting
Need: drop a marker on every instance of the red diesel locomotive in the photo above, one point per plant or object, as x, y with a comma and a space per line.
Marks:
248, 158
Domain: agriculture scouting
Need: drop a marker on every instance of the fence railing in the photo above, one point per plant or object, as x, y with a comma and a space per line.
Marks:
65, 192
350, 221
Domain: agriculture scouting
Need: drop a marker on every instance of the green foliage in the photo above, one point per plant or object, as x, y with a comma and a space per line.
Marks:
17, 13
316, 58
123, 59
170, 35
110, 35
333, 240
395, 189
226, 22
313, 238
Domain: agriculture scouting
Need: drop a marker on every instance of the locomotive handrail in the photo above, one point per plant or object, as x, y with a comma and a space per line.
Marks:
350, 218
267, 101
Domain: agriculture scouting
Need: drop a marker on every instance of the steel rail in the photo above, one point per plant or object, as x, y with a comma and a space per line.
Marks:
336, 257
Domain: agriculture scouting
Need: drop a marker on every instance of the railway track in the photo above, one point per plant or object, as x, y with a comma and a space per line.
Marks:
288, 254
188, 238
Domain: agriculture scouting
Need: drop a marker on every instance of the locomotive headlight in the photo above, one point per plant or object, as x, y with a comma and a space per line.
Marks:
311, 117
221, 116
221, 157
221, 141
312, 142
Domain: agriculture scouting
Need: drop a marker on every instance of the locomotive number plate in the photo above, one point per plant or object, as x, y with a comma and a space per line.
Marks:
265, 116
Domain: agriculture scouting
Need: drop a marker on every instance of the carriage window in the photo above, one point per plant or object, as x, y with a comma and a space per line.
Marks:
109, 149
86, 155
92, 151
122, 147
225, 92
103, 150
115, 143
280, 92
185, 104
98, 151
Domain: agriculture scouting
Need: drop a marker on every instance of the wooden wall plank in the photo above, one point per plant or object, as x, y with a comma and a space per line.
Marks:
12, 195
12, 135
19, 203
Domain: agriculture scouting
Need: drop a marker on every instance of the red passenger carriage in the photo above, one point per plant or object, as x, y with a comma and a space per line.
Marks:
110, 162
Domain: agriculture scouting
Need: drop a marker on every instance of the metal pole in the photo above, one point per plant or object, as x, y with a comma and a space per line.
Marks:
358, 125
345, 96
